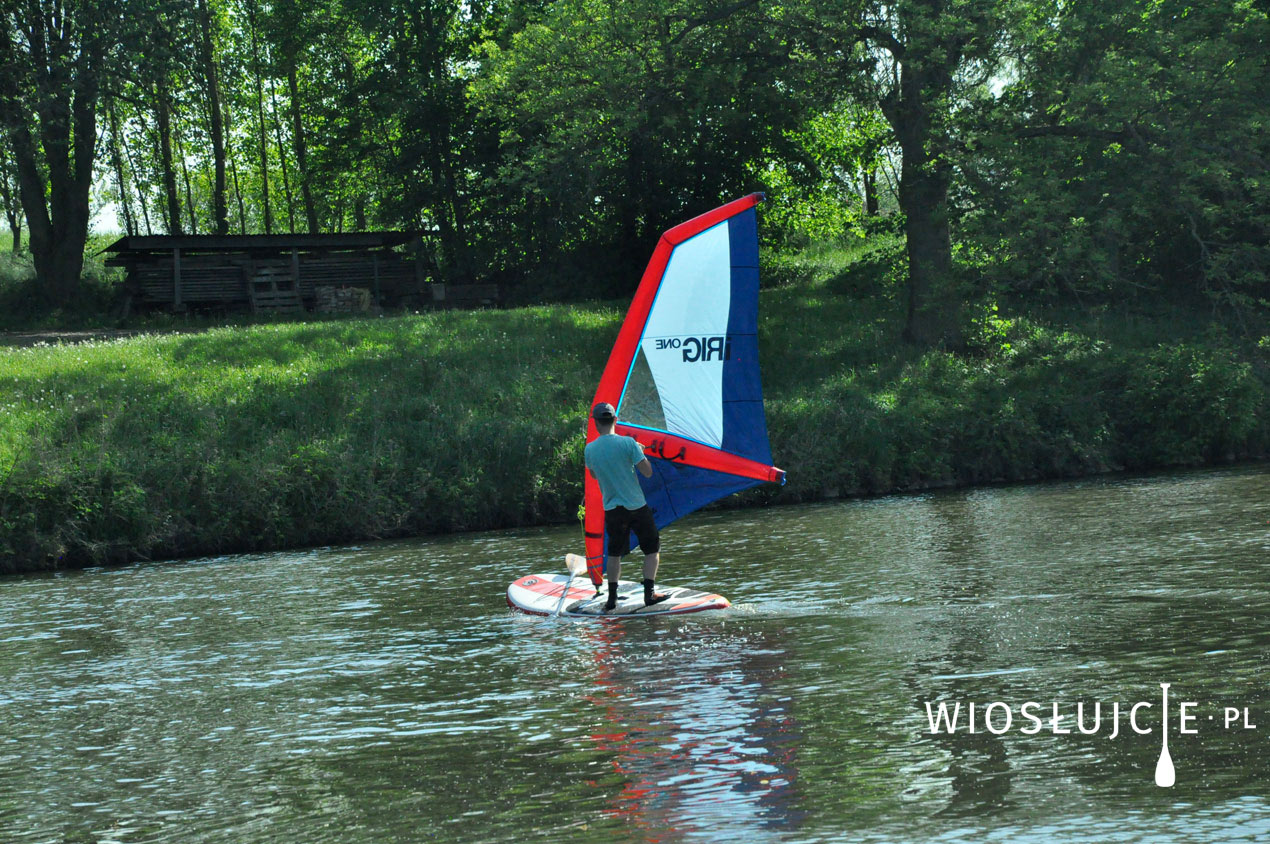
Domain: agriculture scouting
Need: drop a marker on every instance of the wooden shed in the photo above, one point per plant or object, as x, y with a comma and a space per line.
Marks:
279, 273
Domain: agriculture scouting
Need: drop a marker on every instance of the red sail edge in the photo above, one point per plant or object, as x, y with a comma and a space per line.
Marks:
619, 363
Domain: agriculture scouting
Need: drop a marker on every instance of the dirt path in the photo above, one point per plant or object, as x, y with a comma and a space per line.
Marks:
35, 338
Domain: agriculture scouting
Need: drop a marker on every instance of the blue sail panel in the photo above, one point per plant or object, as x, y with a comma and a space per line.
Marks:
676, 490
744, 423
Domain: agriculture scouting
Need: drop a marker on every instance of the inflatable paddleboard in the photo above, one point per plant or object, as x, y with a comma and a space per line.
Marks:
540, 594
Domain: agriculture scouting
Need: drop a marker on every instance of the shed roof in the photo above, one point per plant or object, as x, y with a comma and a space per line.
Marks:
254, 242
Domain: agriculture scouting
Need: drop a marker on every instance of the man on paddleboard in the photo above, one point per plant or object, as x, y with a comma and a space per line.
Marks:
613, 461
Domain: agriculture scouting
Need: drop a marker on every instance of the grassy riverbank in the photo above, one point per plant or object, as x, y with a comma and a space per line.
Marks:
249, 438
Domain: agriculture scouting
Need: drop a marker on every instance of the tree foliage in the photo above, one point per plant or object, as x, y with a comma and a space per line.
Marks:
1129, 154
617, 119
1025, 147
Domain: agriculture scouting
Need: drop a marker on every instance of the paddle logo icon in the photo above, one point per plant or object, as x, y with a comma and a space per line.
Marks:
1165, 775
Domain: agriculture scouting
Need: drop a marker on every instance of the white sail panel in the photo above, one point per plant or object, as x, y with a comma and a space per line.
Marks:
686, 334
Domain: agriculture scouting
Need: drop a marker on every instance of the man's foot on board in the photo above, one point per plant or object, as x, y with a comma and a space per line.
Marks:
651, 597
611, 603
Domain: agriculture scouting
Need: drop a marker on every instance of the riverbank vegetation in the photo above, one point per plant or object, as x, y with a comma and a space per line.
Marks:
251, 438
1003, 240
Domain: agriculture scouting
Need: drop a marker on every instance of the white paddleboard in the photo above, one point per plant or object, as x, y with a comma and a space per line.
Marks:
540, 594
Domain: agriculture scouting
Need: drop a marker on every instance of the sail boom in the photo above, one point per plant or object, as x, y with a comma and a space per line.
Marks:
688, 452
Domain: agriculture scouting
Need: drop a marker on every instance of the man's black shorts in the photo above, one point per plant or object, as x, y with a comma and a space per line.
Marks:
619, 522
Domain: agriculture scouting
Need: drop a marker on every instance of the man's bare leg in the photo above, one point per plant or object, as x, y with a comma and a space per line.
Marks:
651, 562
615, 574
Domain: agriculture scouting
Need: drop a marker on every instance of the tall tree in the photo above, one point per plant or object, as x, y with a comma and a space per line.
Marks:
293, 26
258, 71
167, 173
190, 206
216, 120
826, 183
915, 60
418, 120
276, 114
139, 179
53, 54
1128, 154
301, 150
116, 161
9, 195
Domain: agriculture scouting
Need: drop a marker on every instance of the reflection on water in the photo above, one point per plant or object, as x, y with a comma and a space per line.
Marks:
696, 730
385, 693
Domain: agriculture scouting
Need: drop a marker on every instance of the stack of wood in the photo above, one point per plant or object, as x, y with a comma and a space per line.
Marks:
341, 300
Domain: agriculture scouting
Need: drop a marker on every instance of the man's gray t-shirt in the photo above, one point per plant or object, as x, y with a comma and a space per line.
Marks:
612, 459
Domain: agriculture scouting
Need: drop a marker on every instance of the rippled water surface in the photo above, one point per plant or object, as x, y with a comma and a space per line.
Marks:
386, 693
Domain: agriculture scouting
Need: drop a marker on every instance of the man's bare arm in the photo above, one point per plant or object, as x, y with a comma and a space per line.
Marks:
645, 468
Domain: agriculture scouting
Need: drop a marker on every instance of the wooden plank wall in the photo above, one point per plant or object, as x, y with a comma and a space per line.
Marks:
222, 279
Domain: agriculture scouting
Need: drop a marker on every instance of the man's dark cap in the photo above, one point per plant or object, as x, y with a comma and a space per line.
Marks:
603, 412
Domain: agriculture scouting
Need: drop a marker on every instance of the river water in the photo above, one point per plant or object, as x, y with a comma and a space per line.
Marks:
386, 693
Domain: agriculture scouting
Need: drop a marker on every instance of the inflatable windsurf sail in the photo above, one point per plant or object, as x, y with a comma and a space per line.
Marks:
684, 374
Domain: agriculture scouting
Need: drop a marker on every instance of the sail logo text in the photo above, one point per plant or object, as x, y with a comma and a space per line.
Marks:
697, 348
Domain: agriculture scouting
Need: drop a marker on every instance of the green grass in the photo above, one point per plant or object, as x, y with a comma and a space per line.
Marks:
271, 436
1058, 392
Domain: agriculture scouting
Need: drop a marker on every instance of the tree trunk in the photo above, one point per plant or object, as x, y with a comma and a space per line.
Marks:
116, 160
260, 114
238, 194
58, 231
451, 246
925, 79
13, 216
31, 196
282, 158
163, 113
12, 212
933, 307
337, 215
301, 151
870, 191
185, 177
232, 162
54, 191
220, 207
454, 204
141, 194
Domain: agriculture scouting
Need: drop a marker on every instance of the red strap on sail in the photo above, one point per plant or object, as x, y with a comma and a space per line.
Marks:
692, 453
